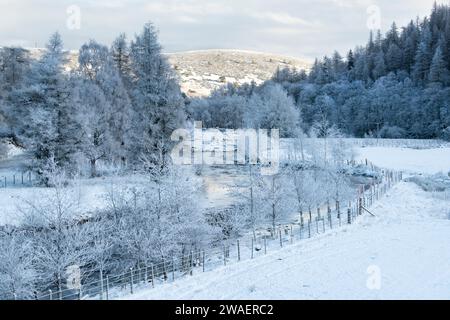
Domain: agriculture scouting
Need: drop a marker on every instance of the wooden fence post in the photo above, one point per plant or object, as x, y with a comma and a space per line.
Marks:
331, 221
281, 240
239, 250
292, 236
309, 229
301, 217
101, 284
203, 258
153, 275
349, 216
107, 287
317, 225
265, 245
131, 280
173, 268
224, 257
192, 263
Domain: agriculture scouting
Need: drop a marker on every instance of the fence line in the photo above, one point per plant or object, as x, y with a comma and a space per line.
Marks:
310, 225
23, 178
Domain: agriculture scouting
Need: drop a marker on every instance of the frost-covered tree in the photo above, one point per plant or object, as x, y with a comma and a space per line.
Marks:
120, 53
160, 219
438, 69
17, 273
60, 240
92, 119
423, 57
103, 107
42, 111
14, 63
157, 99
275, 194
380, 66
247, 191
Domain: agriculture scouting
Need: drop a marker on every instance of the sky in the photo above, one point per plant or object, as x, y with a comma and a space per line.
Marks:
299, 28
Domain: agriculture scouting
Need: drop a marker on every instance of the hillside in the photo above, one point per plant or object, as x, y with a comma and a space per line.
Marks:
201, 72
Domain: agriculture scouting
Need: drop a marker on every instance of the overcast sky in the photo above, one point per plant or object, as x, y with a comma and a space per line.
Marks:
298, 28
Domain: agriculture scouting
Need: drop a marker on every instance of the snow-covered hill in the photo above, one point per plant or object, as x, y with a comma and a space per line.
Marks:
203, 71
402, 253
200, 72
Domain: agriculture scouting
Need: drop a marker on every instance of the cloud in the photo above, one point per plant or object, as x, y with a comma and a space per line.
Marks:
195, 8
281, 18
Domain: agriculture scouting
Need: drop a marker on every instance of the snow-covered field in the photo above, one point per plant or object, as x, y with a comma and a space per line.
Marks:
425, 161
406, 247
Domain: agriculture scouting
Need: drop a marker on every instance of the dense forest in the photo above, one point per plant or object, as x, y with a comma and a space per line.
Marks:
396, 86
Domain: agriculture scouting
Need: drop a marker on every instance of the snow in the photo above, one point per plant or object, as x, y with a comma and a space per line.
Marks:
425, 161
408, 242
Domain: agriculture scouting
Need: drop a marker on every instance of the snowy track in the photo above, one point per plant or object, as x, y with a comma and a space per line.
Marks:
409, 241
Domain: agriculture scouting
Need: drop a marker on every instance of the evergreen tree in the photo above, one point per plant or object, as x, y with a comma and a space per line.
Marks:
380, 66
157, 99
42, 110
438, 70
423, 58
120, 53
394, 58
350, 60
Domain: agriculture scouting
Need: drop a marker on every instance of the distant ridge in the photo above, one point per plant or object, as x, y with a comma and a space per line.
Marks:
202, 71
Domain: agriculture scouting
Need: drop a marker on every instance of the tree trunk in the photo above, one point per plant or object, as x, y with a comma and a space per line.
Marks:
93, 168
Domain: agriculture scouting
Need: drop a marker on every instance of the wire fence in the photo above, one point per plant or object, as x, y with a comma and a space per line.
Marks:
312, 223
18, 179
405, 143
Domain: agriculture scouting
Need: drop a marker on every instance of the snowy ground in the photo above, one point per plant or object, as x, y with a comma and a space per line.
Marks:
408, 243
426, 161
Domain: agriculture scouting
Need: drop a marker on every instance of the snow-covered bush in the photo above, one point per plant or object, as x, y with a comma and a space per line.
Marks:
17, 273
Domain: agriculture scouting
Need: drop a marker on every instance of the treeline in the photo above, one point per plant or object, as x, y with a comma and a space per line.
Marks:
397, 86
119, 105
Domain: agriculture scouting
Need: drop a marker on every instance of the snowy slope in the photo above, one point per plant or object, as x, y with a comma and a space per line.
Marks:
408, 242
